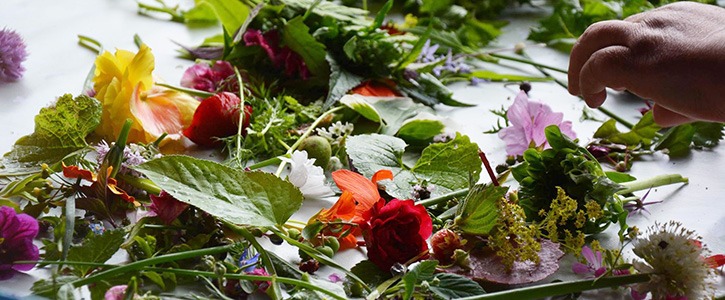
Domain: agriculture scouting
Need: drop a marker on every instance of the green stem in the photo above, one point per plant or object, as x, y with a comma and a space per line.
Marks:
242, 112
90, 44
64, 262
285, 280
443, 198
305, 135
134, 266
563, 288
140, 183
656, 181
193, 92
266, 259
175, 17
272, 161
529, 62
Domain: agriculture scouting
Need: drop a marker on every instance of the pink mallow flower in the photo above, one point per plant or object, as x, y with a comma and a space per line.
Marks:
594, 263
17, 232
528, 121
214, 78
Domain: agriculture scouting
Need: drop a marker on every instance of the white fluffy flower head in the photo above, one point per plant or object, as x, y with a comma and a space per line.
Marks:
676, 258
310, 179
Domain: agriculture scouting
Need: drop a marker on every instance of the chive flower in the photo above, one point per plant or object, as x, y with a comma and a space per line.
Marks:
12, 55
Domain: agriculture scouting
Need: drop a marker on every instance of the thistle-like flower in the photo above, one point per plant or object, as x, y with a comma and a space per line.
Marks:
12, 55
675, 258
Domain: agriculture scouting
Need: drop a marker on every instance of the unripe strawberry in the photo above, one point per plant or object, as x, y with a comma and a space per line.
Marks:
444, 243
217, 117
318, 148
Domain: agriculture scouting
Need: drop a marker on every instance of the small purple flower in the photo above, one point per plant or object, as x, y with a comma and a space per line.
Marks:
528, 121
335, 278
249, 263
427, 54
117, 292
594, 263
17, 232
211, 79
12, 55
97, 228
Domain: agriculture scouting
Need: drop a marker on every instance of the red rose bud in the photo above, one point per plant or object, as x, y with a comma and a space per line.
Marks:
217, 117
444, 243
396, 232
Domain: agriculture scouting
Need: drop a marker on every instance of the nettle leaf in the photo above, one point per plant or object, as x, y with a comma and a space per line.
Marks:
96, 248
449, 166
247, 198
419, 273
59, 130
677, 140
454, 286
296, 35
341, 82
478, 212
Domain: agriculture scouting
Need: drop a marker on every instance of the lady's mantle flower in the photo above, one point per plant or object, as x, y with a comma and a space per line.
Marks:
310, 179
528, 121
12, 54
125, 87
16, 241
674, 257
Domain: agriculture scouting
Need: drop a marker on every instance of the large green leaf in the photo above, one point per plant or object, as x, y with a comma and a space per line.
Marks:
453, 286
450, 166
374, 152
59, 130
248, 198
478, 212
642, 133
231, 13
341, 81
419, 273
296, 36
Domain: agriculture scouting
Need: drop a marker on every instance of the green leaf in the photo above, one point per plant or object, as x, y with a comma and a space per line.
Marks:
431, 91
373, 152
420, 130
49, 287
370, 273
341, 82
453, 286
435, 6
65, 292
677, 140
424, 270
202, 13
231, 13
341, 13
245, 198
478, 212
96, 249
707, 134
155, 278
296, 35
619, 177
59, 130
395, 112
359, 105
642, 133
311, 230
380, 17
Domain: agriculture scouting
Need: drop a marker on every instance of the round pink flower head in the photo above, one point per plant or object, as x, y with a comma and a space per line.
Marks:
17, 232
528, 121
12, 54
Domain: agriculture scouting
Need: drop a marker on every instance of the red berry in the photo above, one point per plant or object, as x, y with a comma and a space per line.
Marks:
217, 117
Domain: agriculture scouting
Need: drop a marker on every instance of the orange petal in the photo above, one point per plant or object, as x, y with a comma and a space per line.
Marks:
343, 209
348, 242
364, 191
113, 188
715, 261
156, 113
382, 174
76, 172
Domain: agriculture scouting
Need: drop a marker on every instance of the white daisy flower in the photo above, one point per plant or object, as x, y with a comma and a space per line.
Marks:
310, 179
675, 258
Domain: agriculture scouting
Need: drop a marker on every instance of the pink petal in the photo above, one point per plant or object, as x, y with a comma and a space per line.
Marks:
580, 268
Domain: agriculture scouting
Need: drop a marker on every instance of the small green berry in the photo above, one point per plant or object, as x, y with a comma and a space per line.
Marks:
318, 148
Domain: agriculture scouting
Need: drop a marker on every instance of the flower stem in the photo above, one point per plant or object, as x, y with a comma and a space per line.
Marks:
148, 262
562, 288
140, 183
656, 181
528, 61
286, 280
305, 135
443, 198
266, 260
193, 92
264, 163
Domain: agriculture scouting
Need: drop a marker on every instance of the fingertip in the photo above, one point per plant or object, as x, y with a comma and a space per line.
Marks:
667, 118
596, 99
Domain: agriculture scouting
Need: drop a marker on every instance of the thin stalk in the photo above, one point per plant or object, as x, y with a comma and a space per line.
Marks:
305, 135
264, 163
193, 92
286, 280
242, 112
443, 198
90, 44
134, 266
266, 259
140, 183
64, 262
563, 288
656, 181
529, 62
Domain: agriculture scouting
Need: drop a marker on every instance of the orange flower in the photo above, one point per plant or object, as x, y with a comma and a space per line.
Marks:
376, 89
359, 194
97, 189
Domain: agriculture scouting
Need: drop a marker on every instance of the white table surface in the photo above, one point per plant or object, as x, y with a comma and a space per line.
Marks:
57, 65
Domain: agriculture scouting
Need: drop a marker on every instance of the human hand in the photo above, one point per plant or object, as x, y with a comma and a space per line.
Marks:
673, 55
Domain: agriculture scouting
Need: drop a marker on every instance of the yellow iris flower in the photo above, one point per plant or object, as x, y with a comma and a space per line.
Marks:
125, 87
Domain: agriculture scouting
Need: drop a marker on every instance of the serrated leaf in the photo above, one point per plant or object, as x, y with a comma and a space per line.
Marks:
422, 271
454, 286
59, 130
341, 82
373, 152
246, 198
677, 140
478, 212
96, 248
642, 133
707, 134
359, 105
296, 35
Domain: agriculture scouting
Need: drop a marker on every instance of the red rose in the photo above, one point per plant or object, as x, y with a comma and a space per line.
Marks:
396, 232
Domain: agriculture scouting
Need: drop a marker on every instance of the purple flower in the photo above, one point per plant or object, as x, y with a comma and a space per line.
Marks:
594, 263
212, 79
116, 292
17, 232
12, 55
248, 263
528, 121
281, 57
427, 54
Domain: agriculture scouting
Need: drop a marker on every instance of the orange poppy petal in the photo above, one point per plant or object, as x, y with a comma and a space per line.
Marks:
381, 175
348, 242
364, 191
343, 209
76, 172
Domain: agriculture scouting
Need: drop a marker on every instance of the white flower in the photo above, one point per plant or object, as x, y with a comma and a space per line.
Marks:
310, 179
674, 255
